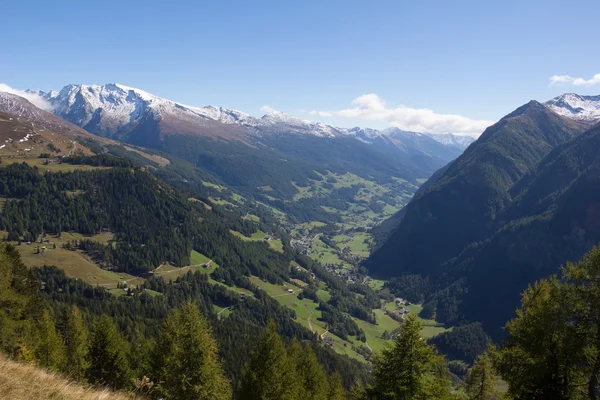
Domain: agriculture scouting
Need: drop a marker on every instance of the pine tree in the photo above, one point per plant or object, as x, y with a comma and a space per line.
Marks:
50, 351
336, 388
186, 359
107, 355
269, 374
76, 340
405, 371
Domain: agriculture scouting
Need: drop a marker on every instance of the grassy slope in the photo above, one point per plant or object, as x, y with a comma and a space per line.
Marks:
25, 382
275, 244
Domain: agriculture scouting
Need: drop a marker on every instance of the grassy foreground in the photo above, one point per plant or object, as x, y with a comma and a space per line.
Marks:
25, 382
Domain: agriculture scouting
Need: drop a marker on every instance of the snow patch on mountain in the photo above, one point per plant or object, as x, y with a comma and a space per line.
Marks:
571, 105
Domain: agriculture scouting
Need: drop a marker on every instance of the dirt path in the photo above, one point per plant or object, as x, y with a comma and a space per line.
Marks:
287, 294
73, 149
219, 313
309, 320
207, 264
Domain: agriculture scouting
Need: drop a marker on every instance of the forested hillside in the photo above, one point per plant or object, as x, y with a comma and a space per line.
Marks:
514, 207
171, 345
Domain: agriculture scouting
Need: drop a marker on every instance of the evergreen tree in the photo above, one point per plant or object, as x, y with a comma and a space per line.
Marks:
336, 388
295, 356
107, 355
409, 370
269, 373
186, 359
50, 351
312, 375
76, 341
481, 379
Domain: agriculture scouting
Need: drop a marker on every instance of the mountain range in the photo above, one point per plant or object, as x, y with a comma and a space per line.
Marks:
530, 176
267, 158
115, 109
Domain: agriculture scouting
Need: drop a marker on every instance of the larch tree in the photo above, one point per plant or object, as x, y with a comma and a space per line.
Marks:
336, 388
269, 373
481, 380
312, 375
17, 288
50, 350
76, 341
107, 355
186, 359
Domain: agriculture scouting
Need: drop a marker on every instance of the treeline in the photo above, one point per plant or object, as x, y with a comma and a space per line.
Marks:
152, 223
99, 160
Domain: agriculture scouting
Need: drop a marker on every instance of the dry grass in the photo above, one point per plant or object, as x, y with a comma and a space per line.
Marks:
25, 382
52, 166
152, 157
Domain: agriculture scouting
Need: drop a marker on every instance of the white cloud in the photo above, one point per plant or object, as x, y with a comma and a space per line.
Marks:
372, 108
34, 98
268, 109
322, 113
567, 79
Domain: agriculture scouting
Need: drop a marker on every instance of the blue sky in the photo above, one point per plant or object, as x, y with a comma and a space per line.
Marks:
475, 59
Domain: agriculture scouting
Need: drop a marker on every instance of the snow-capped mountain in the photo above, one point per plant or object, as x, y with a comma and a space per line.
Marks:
27, 129
112, 109
365, 135
448, 139
38, 118
115, 110
582, 108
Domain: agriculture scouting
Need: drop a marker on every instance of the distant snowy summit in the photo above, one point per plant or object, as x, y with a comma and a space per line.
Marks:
571, 105
449, 139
